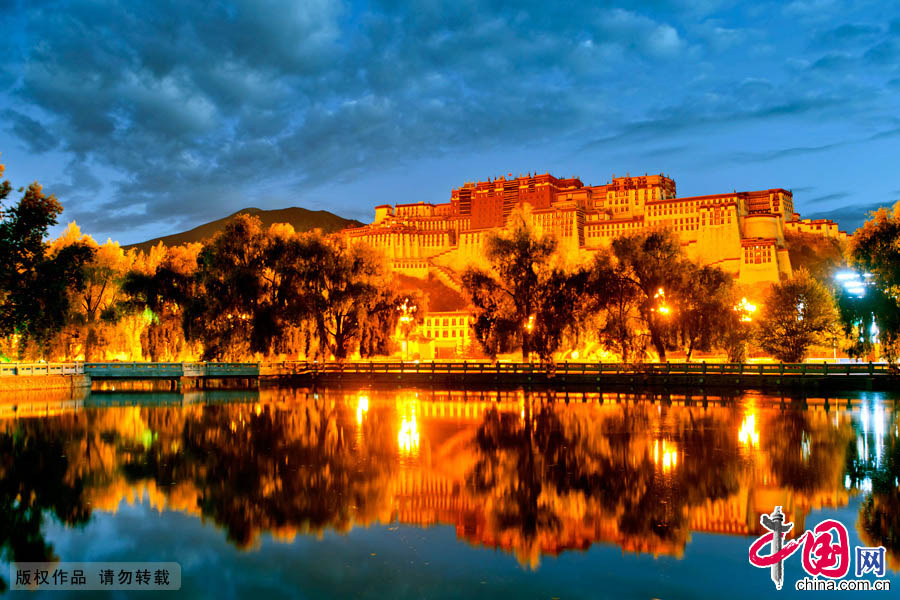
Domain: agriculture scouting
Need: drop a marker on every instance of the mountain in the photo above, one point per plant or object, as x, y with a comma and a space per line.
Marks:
301, 219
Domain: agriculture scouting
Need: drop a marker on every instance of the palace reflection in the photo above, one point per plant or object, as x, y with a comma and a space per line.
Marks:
524, 472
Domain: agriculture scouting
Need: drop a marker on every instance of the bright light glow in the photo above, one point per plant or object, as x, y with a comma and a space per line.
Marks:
529, 326
408, 438
748, 435
746, 310
661, 308
362, 407
854, 283
575, 355
669, 455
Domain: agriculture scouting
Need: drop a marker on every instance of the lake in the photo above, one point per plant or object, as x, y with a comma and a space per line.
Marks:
409, 493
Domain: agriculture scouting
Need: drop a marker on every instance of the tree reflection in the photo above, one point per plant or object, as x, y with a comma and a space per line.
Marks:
36, 478
879, 514
284, 471
535, 474
531, 477
805, 451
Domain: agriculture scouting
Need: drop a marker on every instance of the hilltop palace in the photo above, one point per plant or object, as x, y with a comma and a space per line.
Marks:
742, 232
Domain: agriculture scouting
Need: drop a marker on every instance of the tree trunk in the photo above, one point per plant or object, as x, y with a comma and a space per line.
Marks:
658, 344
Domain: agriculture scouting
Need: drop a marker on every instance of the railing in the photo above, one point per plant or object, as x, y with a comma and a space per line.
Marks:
254, 369
599, 368
13, 369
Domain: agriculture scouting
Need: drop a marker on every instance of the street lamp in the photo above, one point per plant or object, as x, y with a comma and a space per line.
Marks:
746, 310
661, 307
407, 314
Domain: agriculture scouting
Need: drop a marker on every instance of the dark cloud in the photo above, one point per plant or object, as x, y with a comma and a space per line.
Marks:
834, 61
850, 217
848, 33
884, 53
32, 133
828, 198
744, 157
186, 101
174, 112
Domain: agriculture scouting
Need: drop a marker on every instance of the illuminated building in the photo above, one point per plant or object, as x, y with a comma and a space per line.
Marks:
742, 232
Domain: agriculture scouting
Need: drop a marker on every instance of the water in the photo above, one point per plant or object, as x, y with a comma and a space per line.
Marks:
412, 493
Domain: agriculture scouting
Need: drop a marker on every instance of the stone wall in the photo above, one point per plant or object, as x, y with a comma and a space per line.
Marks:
17, 383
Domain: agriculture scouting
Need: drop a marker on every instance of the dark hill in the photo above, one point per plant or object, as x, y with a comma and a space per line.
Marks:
300, 218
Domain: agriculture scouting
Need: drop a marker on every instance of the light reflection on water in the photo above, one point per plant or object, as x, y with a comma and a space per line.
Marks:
533, 475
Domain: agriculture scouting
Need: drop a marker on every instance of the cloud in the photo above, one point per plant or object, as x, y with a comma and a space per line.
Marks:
194, 106
828, 198
884, 53
850, 217
31, 132
848, 33
173, 112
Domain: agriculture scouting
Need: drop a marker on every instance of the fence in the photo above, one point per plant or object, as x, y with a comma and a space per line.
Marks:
139, 370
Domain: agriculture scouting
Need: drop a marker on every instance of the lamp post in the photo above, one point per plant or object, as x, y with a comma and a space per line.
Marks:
407, 312
745, 310
529, 327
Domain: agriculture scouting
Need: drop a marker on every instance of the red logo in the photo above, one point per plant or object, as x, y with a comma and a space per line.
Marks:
826, 548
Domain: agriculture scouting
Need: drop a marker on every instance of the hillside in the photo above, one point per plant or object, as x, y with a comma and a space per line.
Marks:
439, 297
819, 255
300, 218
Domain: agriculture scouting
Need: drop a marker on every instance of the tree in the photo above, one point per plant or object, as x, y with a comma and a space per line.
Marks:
94, 304
161, 289
797, 314
614, 298
736, 334
348, 297
522, 301
705, 304
875, 249
34, 286
229, 284
654, 262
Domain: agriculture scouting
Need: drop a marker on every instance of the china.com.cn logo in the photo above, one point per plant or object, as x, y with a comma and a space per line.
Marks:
826, 550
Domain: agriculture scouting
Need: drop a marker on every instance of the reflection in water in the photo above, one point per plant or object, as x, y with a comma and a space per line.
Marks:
512, 470
748, 435
873, 465
408, 437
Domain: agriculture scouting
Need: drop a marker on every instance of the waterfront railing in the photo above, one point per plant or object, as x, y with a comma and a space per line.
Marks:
116, 369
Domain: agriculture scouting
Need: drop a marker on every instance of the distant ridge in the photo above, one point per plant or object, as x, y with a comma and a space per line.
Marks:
300, 218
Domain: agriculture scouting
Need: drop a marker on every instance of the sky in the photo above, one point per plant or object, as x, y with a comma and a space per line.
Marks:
150, 117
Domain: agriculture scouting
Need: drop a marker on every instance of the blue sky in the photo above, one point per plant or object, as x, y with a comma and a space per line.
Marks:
150, 117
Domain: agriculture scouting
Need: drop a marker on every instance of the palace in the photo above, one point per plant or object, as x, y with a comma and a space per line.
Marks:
742, 232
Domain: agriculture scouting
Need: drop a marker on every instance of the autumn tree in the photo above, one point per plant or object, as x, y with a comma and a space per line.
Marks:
228, 288
348, 297
270, 291
160, 288
34, 286
704, 301
613, 299
522, 301
654, 263
94, 304
797, 314
875, 250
